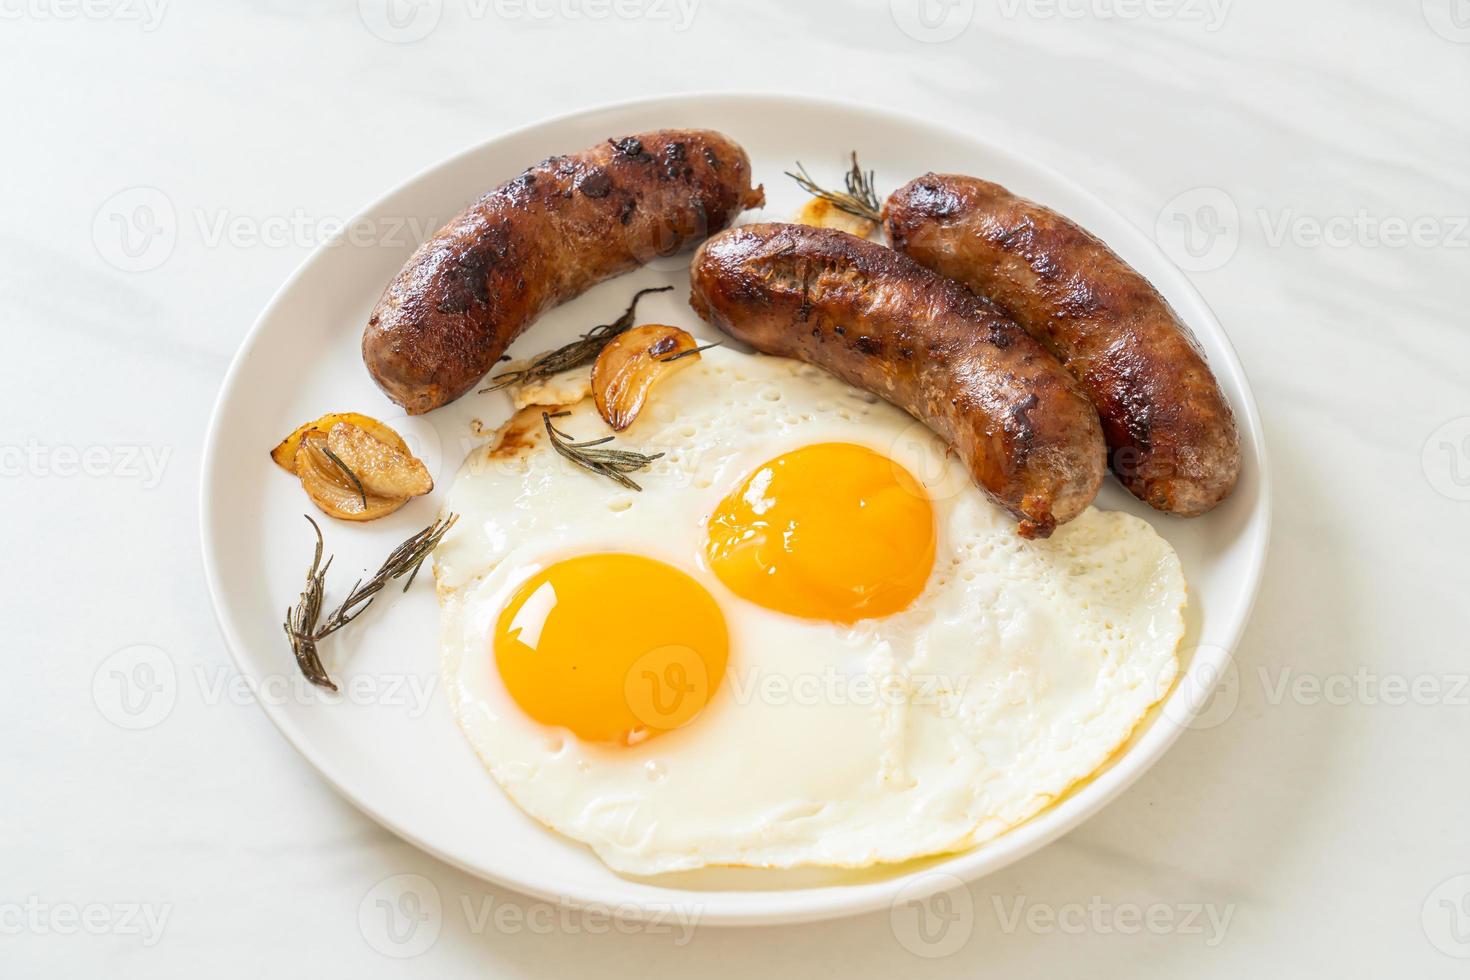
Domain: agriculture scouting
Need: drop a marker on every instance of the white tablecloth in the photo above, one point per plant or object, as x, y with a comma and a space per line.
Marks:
166, 164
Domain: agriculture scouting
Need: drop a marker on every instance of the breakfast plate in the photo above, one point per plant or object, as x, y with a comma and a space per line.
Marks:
387, 738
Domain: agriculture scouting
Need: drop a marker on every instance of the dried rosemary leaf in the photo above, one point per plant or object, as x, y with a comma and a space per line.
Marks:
303, 626
583, 350
859, 200
614, 464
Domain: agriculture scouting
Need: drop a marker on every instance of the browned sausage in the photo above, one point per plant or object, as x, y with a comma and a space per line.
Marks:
1170, 431
563, 226
884, 323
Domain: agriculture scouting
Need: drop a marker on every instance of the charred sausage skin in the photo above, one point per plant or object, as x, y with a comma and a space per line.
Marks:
1171, 435
561, 227
883, 323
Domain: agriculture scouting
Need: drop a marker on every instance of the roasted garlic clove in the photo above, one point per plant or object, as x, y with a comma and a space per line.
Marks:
822, 213
334, 487
382, 469
353, 467
285, 453
630, 365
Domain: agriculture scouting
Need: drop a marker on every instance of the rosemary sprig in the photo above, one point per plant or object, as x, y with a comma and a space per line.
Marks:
860, 199
361, 493
614, 464
688, 353
302, 621
583, 350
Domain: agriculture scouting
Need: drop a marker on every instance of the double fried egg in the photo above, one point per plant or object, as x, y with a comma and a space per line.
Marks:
808, 640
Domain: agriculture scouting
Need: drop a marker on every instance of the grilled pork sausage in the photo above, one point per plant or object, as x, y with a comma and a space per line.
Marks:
1171, 434
884, 323
541, 239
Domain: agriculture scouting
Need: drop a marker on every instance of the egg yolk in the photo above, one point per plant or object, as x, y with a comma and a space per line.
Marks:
615, 647
832, 531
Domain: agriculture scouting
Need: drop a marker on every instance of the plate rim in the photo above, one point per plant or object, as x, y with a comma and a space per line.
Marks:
826, 901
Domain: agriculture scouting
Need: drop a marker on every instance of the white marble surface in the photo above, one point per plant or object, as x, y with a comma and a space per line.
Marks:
1319, 827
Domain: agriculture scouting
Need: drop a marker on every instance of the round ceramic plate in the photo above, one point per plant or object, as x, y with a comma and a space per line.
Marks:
387, 741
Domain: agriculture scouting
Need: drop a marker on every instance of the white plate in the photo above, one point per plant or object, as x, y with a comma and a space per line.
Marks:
398, 755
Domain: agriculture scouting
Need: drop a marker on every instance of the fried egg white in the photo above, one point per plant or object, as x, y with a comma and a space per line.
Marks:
998, 673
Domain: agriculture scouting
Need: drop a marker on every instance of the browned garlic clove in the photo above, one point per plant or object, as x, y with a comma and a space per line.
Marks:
631, 364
